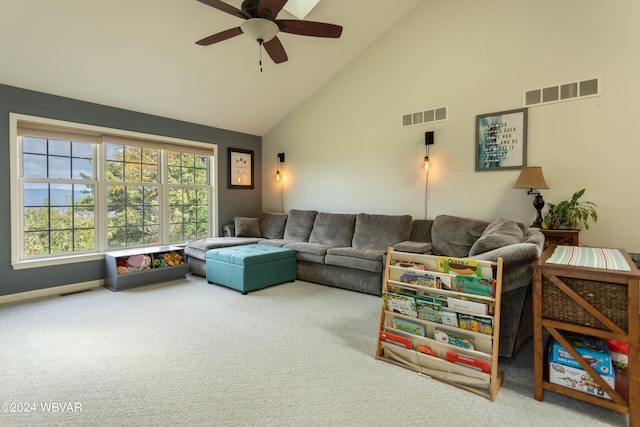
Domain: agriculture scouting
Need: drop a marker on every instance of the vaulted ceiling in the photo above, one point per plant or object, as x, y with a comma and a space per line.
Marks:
141, 55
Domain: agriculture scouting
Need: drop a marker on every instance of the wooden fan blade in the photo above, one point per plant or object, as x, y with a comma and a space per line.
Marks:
272, 8
224, 7
275, 50
309, 28
218, 37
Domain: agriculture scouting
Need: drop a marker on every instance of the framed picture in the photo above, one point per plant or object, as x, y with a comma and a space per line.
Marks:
240, 168
501, 140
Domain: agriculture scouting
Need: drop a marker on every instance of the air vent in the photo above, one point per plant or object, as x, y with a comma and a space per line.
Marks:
563, 92
425, 117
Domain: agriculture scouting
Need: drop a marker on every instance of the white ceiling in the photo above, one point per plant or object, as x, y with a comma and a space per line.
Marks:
141, 55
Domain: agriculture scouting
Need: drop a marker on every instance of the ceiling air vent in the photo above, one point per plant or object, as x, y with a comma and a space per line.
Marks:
563, 92
425, 117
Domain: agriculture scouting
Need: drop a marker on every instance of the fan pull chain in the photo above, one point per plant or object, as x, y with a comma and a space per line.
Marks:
260, 53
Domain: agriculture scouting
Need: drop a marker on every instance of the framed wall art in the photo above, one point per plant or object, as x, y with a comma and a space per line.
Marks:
501, 140
240, 168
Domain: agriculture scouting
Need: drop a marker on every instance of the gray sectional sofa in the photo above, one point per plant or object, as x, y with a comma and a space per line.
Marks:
349, 251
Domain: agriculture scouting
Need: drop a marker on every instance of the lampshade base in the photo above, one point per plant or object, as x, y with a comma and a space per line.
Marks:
538, 204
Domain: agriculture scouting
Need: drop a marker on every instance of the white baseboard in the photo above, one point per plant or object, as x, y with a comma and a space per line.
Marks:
56, 290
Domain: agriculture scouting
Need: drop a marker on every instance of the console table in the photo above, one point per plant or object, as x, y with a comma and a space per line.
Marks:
592, 301
560, 237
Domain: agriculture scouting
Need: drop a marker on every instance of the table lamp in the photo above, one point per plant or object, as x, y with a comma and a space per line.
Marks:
531, 177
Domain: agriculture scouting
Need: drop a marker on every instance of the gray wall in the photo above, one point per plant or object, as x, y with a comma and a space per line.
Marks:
15, 100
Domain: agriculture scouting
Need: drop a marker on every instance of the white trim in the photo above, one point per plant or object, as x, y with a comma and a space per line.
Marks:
40, 123
47, 292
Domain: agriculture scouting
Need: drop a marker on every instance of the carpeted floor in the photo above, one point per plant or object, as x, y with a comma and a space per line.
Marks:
189, 353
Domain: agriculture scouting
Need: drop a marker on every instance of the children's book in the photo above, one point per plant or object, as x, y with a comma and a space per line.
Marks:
425, 280
464, 266
449, 318
401, 289
408, 264
474, 285
428, 310
475, 323
409, 326
395, 339
402, 304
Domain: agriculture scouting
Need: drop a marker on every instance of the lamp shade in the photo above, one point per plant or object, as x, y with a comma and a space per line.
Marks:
260, 29
530, 177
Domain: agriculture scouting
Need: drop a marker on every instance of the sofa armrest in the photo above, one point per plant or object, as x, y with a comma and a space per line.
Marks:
413, 247
229, 230
518, 253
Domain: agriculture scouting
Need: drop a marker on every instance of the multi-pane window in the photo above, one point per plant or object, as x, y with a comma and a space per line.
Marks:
188, 195
133, 195
58, 196
88, 192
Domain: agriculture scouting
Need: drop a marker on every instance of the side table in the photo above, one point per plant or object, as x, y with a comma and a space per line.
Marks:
591, 301
567, 237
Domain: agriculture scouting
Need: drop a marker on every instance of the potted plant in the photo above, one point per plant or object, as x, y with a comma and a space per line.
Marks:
572, 212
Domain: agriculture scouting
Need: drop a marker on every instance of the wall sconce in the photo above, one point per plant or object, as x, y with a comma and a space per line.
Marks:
531, 177
428, 140
280, 161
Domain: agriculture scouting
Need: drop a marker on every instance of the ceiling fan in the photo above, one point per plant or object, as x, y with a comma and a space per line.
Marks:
262, 26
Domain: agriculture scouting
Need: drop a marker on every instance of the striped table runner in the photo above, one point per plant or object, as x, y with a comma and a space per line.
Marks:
607, 259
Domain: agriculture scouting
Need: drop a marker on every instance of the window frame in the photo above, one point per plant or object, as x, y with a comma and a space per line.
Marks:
100, 135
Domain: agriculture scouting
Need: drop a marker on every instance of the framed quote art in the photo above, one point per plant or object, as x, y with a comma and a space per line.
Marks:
240, 168
501, 140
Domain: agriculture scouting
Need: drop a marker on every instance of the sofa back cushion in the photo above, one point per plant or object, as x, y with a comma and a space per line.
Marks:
246, 227
299, 225
333, 229
272, 224
378, 232
454, 236
499, 233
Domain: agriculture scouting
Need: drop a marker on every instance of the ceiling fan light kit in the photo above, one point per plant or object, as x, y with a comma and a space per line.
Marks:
260, 29
262, 26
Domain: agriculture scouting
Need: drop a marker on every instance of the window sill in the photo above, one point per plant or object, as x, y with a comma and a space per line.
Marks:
47, 262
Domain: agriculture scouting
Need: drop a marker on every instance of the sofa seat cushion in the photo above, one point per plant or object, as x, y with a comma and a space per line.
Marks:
360, 259
379, 232
276, 242
299, 225
333, 229
499, 233
454, 236
198, 248
312, 252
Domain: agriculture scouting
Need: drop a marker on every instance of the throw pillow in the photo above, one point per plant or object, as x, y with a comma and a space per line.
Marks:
247, 227
499, 233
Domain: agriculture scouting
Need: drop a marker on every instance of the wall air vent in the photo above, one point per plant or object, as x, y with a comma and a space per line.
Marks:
425, 117
563, 92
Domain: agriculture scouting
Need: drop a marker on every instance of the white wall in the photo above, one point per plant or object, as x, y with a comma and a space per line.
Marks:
346, 151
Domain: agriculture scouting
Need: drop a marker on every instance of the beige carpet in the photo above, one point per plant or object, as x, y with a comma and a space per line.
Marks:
189, 353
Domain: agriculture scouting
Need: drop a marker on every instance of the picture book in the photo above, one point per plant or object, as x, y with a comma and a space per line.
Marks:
402, 304
474, 285
471, 362
449, 318
475, 307
395, 339
475, 323
428, 310
464, 266
459, 340
490, 305
400, 289
408, 264
438, 297
425, 280
409, 326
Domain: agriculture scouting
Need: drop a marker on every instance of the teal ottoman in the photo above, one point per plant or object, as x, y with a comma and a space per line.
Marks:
250, 267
